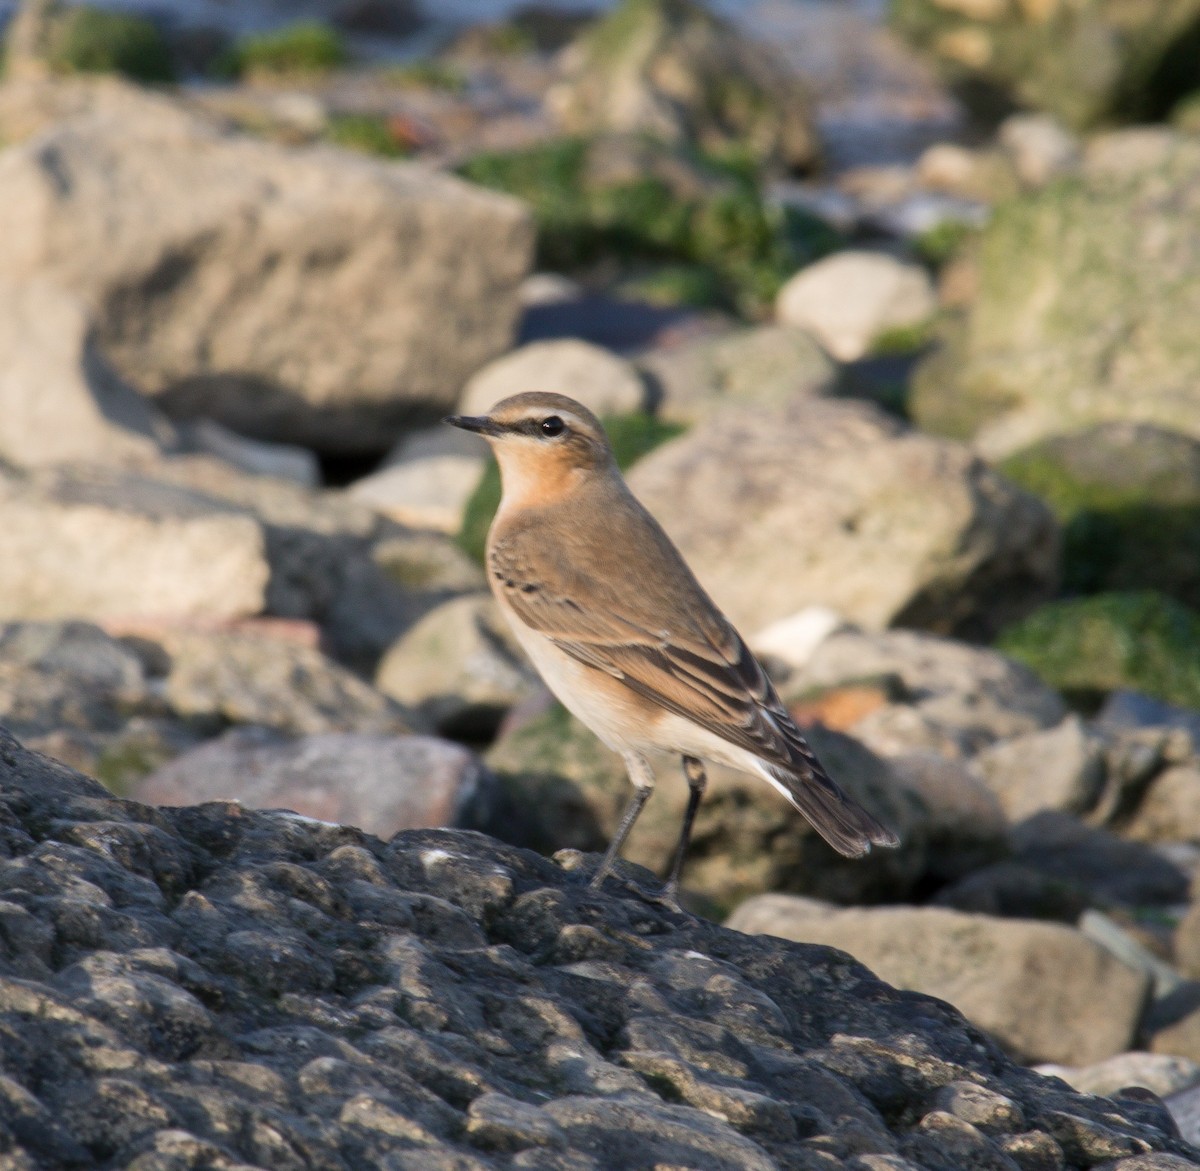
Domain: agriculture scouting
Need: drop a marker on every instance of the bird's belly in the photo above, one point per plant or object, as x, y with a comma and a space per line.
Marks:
615, 714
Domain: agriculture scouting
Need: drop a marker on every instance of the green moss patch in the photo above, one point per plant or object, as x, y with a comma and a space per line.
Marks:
299, 50
632, 437
1089, 646
90, 40
736, 247
1128, 499
366, 133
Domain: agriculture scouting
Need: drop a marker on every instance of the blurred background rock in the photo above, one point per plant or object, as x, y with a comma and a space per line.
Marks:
891, 312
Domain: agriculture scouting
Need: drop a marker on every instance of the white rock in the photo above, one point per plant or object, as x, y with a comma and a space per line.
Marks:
285, 461
847, 300
793, 640
1040, 147
603, 382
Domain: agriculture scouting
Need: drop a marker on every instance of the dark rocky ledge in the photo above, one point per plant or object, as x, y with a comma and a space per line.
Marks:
208, 987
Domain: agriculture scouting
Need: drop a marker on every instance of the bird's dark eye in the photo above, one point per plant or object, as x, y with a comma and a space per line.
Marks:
553, 426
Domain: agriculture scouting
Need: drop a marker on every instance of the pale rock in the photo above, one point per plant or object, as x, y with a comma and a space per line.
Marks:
849, 299
1169, 810
767, 366
242, 679
382, 784
62, 401
955, 698
1159, 1073
837, 504
81, 545
1059, 768
1040, 147
593, 376
311, 296
458, 666
427, 479
284, 461
997, 971
548, 288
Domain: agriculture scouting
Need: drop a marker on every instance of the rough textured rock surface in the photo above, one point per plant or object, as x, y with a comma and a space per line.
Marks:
850, 299
764, 367
566, 790
381, 783
837, 504
309, 296
1087, 63
1087, 294
603, 382
62, 401
1044, 990
670, 70
211, 987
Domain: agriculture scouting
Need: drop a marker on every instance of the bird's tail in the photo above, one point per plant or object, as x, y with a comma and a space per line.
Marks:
843, 823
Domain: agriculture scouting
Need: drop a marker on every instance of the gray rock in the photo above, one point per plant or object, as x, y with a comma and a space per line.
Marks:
837, 504
1089, 1010
459, 667
62, 400
215, 986
88, 544
850, 299
605, 383
1066, 275
1169, 810
1061, 768
951, 697
382, 783
764, 367
307, 296
241, 679
669, 70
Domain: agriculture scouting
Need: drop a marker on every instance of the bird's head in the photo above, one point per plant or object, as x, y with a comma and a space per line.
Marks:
545, 444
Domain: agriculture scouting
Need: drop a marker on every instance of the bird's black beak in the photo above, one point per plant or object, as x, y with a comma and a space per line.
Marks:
480, 424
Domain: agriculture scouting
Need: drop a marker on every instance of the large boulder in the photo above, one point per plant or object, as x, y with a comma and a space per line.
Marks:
62, 400
1088, 293
311, 296
566, 790
837, 504
1087, 63
1045, 991
670, 70
212, 986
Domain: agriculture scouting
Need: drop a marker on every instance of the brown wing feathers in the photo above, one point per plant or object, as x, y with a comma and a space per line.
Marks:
705, 673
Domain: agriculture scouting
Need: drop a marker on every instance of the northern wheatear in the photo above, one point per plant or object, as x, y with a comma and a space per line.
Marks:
625, 636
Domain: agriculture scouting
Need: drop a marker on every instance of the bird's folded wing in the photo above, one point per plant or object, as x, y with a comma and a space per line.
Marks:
700, 669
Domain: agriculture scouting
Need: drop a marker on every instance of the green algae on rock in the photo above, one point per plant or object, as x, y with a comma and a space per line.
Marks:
1088, 297
1086, 647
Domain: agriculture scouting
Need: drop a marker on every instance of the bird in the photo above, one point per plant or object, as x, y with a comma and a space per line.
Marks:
624, 635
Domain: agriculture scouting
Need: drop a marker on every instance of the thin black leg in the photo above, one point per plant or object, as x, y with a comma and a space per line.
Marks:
697, 779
